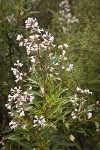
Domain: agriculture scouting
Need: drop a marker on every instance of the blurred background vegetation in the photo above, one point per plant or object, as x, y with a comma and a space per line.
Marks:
82, 37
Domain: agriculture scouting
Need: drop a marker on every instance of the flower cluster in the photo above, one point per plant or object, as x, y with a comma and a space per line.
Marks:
38, 46
41, 42
16, 71
16, 102
69, 66
79, 104
38, 40
37, 43
13, 125
66, 17
86, 91
39, 121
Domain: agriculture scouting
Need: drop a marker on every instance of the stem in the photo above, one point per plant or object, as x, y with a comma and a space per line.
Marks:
43, 69
44, 74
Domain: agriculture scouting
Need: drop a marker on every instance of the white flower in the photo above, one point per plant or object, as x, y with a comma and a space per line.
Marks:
63, 52
87, 91
20, 103
18, 64
31, 23
97, 102
21, 44
30, 88
67, 69
65, 58
76, 109
8, 106
73, 101
60, 47
56, 64
78, 89
15, 71
51, 38
11, 114
22, 113
13, 125
39, 121
31, 99
19, 37
70, 67
63, 67
33, 60
74, 117
51, 69
89, 115
65, 45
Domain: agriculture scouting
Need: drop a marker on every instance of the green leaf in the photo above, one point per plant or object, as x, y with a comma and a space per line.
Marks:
96, 124
28, 108
13, 137
67, 125
81, 130
67, 144
25, 144
59, 93
52, 61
